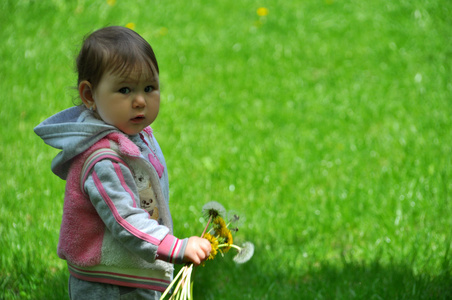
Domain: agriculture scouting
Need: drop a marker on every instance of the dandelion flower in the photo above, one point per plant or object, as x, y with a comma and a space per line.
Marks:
130, 26
219, 224
111, 2
262, 11
227, 240
214, 243
245, 253
225, 233
163, 31
213, 209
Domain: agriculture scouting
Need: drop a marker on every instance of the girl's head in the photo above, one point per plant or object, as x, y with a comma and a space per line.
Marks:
114, 49
118, 78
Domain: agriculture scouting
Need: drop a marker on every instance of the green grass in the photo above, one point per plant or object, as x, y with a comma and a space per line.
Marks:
326, 123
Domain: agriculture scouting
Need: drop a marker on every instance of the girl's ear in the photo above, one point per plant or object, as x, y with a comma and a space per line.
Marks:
85, 91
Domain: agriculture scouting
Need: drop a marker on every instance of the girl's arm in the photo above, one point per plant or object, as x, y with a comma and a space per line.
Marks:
113, 192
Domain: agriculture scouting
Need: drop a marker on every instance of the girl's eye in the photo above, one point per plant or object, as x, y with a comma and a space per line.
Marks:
148, 89
124, 90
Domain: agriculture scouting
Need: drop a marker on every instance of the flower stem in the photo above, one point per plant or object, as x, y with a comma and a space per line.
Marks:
186, 290
230, 245
172, 283
208, 223
178, 291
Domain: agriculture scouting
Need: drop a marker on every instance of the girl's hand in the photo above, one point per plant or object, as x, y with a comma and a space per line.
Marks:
198, 249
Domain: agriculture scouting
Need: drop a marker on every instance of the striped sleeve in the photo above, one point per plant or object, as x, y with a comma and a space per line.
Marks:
172, 249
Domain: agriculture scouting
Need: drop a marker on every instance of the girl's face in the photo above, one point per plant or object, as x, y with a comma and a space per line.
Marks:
130, 102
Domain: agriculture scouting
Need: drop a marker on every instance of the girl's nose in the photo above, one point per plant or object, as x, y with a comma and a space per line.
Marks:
139, 101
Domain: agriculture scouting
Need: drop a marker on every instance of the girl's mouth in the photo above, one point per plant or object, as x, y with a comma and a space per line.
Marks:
137, 119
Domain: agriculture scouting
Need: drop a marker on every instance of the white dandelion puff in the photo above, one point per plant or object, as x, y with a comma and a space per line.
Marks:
213, 209
245, 253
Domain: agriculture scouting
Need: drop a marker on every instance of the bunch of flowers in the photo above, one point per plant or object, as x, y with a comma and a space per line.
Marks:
219, 234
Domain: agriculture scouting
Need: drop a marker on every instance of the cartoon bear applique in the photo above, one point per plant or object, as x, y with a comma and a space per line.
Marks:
148, 199
149, 202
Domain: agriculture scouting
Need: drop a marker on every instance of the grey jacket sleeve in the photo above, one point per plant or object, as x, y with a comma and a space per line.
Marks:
113, 192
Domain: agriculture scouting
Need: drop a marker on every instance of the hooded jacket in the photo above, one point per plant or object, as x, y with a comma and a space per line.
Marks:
116, 225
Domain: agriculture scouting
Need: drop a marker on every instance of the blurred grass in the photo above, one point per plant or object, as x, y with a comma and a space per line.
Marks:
326, 123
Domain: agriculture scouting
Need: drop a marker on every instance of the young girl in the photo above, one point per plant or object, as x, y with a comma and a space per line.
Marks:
116, 232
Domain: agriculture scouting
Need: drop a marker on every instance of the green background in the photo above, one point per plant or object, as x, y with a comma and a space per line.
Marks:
326, 124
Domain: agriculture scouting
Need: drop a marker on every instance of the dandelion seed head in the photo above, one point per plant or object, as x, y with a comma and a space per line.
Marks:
245, 253
235, 219
213, 209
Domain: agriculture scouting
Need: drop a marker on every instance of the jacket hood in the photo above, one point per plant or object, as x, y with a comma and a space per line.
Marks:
73, 131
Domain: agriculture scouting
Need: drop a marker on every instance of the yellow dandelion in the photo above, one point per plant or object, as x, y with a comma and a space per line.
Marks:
224, 233
214, 243
228, 240
130, 26
218, 224
111, 2
262, 11
163, 31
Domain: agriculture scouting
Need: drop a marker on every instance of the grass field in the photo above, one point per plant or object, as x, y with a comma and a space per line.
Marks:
326, 123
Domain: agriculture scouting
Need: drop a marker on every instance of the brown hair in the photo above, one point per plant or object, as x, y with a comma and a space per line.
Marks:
116, 49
